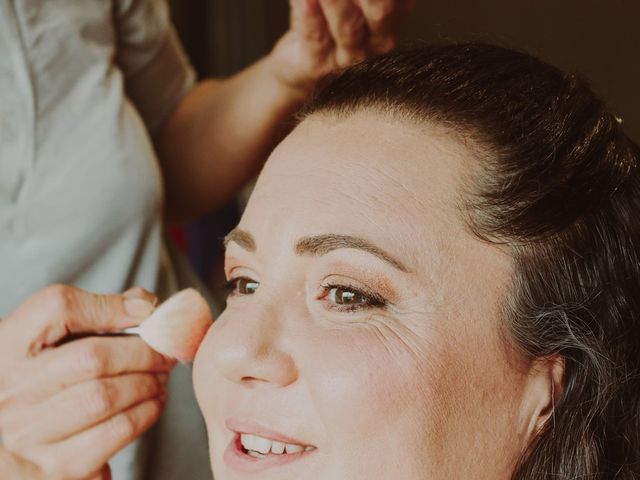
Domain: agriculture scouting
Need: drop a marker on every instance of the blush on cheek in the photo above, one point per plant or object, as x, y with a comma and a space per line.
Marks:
203, 385
381, 407
363, 386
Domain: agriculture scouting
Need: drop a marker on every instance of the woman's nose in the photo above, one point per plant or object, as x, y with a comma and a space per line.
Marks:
248, 349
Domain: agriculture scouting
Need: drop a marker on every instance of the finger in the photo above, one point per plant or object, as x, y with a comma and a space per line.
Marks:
348, 29
139, 292
309, 23
83, 454
383, 18
59, 310
62, 367
79, 408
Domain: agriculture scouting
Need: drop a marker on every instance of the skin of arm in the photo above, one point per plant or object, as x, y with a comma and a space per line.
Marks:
223, 129
219, 135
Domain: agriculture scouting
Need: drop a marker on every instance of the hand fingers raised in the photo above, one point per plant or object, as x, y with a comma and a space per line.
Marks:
93, 357
348, 29
78, 408
308, 20
79, 457
310, 25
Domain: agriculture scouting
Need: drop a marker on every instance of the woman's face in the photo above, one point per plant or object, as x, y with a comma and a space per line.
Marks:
362, 328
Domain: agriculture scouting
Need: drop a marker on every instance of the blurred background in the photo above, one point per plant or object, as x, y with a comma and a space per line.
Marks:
597, 38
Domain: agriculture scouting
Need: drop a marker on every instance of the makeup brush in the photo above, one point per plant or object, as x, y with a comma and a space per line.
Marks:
177, 326
174, 329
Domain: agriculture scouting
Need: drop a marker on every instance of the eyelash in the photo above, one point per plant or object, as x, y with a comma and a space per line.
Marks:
372, 299
230, 286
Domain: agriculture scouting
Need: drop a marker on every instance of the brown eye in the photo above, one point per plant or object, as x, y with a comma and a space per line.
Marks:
242, 286
346, 297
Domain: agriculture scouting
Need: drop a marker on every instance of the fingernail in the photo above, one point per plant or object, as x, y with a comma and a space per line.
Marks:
163, 377
138, 292
138, 307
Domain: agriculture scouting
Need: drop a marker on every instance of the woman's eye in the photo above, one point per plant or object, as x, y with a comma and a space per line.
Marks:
343, 296
350, 298
241, 286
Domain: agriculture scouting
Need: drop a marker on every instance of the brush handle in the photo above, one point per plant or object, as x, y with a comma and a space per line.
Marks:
127, 332
131, 331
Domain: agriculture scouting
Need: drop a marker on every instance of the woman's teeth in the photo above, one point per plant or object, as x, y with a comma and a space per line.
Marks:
258, 446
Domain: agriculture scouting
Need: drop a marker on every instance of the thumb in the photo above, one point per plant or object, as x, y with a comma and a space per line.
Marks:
60, 310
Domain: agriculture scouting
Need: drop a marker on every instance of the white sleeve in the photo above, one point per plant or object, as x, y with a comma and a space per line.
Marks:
156, 70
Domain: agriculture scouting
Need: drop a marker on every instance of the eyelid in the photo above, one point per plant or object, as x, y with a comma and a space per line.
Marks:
230, 262
235, 262
238, 269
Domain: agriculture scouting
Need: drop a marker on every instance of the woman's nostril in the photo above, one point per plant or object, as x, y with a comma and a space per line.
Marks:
274, 369
251, 352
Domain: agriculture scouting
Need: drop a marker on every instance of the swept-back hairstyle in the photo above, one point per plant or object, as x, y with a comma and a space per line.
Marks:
558, 186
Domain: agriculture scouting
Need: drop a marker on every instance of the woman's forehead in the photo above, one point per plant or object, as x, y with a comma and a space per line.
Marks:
368, 161
370, 176
355, 176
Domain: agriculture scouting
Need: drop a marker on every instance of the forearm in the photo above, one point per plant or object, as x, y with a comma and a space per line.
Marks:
220, 135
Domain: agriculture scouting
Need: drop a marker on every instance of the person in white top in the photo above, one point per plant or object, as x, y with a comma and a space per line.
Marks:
105, 135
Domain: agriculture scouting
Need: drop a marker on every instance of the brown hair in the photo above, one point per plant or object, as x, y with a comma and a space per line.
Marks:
558, 187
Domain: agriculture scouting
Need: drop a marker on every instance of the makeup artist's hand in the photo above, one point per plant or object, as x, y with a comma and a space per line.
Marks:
66, 409
328, 34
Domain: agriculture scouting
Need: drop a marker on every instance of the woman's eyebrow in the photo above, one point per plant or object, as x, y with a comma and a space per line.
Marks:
318, 245
323, 244
243, 238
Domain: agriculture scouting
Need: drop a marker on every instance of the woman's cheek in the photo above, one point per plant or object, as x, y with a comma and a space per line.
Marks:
203, 380
360, 383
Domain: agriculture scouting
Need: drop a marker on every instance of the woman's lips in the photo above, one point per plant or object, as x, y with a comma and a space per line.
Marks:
240, 425
237, 458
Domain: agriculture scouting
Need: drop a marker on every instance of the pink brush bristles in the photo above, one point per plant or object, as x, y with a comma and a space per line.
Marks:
177, 327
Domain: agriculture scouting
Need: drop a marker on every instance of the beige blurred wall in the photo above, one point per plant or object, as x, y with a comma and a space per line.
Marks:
599, 39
